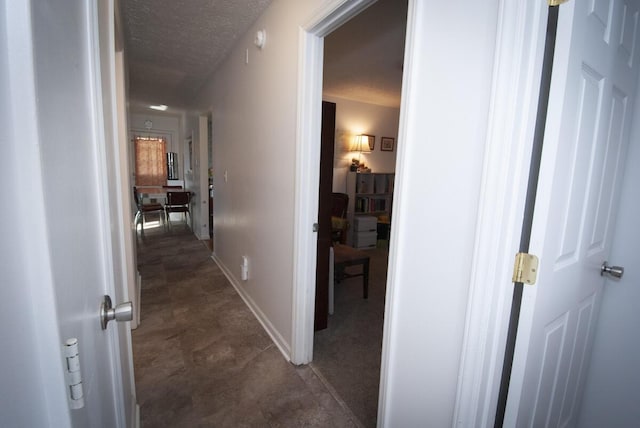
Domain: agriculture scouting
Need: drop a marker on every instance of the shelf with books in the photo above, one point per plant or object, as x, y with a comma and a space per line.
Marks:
370, 194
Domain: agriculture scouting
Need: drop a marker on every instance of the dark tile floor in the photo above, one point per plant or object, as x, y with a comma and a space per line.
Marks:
201, 358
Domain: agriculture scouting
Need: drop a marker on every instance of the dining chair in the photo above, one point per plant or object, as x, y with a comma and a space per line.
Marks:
144, 209
178, 202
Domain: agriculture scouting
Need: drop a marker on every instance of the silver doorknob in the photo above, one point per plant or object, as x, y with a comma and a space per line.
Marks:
122, 312
614, 271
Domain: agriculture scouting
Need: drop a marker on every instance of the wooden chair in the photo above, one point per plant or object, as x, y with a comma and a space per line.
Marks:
178, 202
344, 257
144, 209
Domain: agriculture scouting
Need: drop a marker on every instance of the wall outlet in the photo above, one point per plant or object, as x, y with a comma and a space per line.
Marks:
244, 268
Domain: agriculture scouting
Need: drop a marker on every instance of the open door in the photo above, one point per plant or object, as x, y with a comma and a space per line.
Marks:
62, 77
591, 101
324, 214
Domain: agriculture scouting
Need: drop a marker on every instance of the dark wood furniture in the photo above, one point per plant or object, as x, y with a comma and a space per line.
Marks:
345, 256
177, 202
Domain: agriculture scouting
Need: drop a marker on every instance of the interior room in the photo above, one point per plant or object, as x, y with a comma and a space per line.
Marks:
365, 87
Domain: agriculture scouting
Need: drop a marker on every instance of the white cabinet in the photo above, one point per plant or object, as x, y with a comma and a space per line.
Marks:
365, 231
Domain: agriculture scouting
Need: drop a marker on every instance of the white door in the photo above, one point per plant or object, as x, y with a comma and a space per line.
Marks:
612, 390
587, 134
72, 119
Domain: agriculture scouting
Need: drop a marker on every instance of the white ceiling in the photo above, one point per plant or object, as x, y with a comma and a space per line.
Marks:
174, 46
363, 58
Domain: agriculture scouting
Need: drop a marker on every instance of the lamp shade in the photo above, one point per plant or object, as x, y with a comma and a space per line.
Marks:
361, 144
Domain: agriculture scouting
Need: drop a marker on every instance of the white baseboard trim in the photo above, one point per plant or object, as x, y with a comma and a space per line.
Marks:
277, 338
136, 416
136, 310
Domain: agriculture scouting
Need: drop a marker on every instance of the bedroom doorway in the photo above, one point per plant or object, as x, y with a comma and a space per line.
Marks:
347, 350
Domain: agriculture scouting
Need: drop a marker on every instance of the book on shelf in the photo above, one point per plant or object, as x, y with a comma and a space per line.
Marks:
370, 204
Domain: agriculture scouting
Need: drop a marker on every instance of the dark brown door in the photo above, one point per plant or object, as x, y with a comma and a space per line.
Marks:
324, 214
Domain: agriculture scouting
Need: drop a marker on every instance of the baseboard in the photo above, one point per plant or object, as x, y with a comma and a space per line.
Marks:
277, 338
136, 310
136, 416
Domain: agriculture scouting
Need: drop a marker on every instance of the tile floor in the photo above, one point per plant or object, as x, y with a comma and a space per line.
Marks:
201, 358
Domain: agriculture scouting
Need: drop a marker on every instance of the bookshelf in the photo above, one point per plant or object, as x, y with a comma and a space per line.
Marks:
370, 194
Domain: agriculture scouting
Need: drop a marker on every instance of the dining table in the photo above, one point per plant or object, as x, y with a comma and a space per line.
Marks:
158, 195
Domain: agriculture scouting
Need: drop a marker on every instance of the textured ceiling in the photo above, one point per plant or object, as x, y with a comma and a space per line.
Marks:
174, 46
363, 58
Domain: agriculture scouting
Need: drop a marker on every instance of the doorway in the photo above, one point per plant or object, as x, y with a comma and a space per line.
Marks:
364, 90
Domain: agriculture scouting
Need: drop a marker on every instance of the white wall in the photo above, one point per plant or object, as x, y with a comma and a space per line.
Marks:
449, 63
612, 388
353, 118
254, 108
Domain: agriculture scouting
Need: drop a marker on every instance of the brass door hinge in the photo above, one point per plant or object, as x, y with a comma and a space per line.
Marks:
556, 2
525, 269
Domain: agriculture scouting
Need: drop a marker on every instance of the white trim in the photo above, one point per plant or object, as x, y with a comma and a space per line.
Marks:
516, 81
124, 199
277, 338
105, 176
306, 205
310, 64
201, 202
411, 72
136, 416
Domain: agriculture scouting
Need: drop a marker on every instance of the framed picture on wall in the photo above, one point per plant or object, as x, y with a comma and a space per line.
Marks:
386, 144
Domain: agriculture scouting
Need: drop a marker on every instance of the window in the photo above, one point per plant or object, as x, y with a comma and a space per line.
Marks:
151, 168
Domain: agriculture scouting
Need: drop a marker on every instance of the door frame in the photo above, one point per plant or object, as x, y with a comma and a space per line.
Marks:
519, 57
109, 91
307, 178
511, 119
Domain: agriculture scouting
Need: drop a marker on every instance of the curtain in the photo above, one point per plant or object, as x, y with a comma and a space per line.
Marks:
151, 165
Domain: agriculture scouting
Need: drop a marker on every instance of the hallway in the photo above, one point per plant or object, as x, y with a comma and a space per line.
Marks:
202, 359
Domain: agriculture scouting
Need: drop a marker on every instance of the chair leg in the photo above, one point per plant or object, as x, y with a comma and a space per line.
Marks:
136, 220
